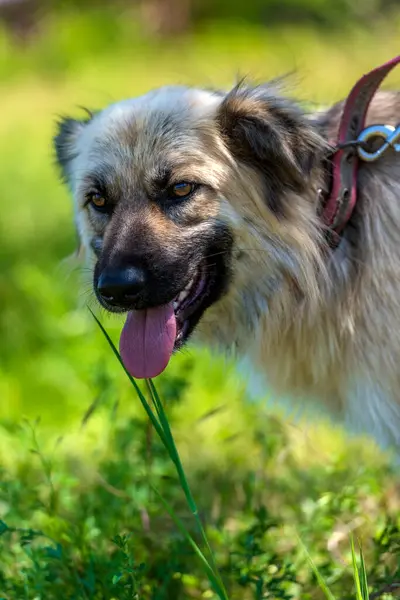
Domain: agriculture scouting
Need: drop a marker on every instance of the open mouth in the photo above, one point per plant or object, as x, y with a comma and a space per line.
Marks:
150, 336
188, 306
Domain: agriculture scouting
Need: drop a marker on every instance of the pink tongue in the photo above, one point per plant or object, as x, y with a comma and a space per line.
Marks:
147, 340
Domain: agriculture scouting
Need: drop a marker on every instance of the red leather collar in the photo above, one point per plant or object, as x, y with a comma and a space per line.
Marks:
343, 196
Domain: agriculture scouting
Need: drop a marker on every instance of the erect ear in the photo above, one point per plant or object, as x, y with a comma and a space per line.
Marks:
272, 134
65, 142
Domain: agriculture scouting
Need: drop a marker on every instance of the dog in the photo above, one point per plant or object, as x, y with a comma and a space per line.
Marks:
200, 213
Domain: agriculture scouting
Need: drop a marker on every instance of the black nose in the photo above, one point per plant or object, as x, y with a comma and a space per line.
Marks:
119, 286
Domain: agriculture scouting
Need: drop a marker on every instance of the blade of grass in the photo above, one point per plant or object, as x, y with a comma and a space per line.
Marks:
163, 429
359, 574
181, 474
167, 430
155, 404
212, 576
364, 580
356, 574
320, 579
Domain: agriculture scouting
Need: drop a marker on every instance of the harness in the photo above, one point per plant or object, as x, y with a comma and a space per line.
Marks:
352, 146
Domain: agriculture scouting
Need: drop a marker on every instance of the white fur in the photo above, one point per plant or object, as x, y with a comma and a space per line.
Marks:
370, 410
258, 389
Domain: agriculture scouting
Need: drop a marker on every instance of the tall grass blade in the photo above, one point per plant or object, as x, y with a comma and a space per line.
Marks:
364, 579
181, 473
163, 429
320, 579
356, 574
360, 574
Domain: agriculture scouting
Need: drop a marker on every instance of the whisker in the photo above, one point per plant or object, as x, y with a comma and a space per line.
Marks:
89, 293
215, 254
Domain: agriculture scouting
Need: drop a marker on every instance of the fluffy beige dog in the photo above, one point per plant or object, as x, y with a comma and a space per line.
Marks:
201, 210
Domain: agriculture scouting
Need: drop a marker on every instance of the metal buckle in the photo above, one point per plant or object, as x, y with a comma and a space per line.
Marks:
390, 134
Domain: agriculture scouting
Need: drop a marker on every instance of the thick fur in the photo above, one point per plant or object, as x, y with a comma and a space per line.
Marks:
318, 324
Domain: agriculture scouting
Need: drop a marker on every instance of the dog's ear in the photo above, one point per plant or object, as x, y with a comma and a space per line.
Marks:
270, 133
65, 142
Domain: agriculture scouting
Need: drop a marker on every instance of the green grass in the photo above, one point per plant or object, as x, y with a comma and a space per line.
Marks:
80, 517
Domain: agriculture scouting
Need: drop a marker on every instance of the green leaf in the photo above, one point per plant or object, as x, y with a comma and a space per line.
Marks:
3, 527
54, 552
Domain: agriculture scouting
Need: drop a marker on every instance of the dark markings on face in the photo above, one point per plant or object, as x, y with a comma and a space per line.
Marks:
149, 231
170, 239
168, 257
68, 131
150, 193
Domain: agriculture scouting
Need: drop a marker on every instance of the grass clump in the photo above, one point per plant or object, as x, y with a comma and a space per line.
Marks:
249, 548
78, 525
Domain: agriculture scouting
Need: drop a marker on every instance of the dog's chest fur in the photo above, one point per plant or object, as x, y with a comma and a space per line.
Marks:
344, 359
371, 410
363, 405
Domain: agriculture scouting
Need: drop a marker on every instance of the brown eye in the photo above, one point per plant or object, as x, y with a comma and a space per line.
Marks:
98, 201
182, 189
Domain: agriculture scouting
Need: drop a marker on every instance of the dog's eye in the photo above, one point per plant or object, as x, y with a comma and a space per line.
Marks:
98, 201
183, 189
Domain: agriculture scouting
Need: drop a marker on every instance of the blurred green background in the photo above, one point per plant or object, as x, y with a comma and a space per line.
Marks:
76, 453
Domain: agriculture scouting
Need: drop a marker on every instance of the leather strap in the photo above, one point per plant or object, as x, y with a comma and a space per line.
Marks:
340, 204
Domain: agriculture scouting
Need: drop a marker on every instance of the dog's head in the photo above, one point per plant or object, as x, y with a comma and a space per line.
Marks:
181, 197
